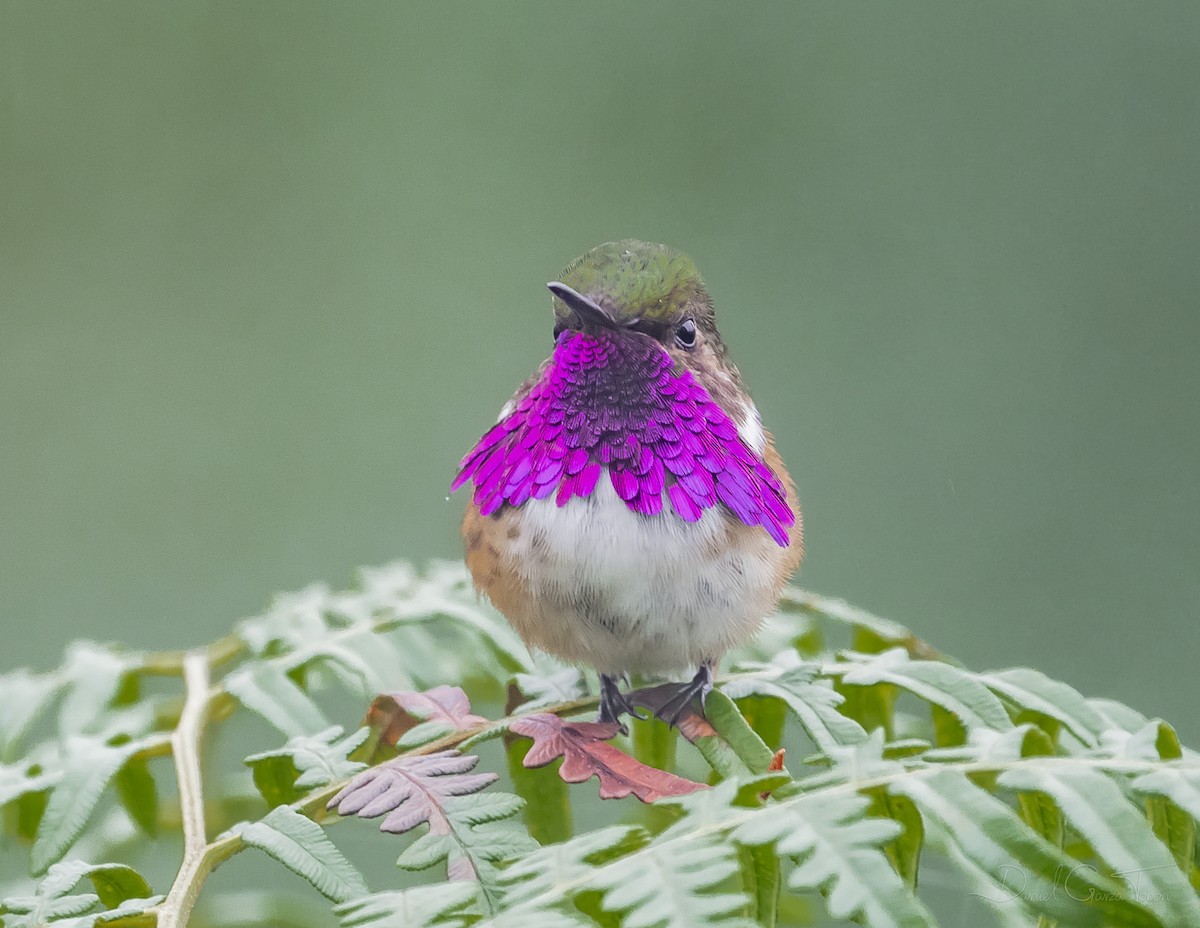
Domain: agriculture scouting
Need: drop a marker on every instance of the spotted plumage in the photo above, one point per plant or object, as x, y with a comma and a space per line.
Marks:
629, 510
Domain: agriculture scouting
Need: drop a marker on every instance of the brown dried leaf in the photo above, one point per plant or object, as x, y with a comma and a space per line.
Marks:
412, 789
585, 751
393, 714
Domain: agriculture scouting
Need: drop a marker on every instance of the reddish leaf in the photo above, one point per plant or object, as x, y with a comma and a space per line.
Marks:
412, 789
393, 714
585, 751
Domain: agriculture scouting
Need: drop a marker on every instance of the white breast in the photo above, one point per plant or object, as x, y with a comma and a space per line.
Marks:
625, 592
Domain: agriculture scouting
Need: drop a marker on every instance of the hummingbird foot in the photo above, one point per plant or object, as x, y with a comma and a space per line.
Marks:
614, 703
697, 689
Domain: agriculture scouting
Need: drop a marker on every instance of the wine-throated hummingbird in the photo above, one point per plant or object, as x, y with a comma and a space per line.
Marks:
630, 511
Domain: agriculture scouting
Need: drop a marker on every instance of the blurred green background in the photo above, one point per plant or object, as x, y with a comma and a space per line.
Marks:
266, 271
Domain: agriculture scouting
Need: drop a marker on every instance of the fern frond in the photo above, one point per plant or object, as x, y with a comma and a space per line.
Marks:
669, 880
301, 845
306, 762
814, 702
121, 890
839, 851
447, 905
957, 691
1097, 808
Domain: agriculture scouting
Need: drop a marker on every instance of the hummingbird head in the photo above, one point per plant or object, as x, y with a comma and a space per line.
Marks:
639, 287
640, 389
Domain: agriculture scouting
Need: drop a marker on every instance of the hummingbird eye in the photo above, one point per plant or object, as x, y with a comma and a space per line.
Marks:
685, 335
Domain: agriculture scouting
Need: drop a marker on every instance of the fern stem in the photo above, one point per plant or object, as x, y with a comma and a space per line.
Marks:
174, 911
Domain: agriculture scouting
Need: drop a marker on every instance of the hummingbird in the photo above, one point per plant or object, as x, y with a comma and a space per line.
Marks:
630, 512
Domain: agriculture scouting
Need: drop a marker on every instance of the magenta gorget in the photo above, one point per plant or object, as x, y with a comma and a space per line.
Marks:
613, 405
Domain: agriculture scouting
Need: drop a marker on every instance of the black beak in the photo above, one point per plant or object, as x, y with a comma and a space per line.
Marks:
587, 309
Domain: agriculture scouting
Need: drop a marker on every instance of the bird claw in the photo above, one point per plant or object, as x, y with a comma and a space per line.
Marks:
614, 703
674, 709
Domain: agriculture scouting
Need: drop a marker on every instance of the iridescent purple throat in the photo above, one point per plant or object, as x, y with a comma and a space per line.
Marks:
612, 402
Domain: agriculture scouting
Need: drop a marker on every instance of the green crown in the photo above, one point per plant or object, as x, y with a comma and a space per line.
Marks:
634, 280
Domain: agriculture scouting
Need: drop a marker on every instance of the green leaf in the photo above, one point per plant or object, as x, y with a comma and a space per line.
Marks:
306, 762
1118, 832
1176, 781
23, 697
766, 716
292, 620
955, 690
93, 674
139, 794
547, 689
120, 888
1176, 829
841, 611
21, 779
268, 690
443, 904
814, 702
275, 778
128, 910
89, 765
839, 851
724, 716
904, 851
302, 846
117, 883
547, 810
1035, 692
873, 707
761, 879
984, 838
444, 591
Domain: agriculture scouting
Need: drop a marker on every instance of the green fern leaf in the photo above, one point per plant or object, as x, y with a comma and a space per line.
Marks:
89, 766
22, 779
984, 838
736, 732
814, 702
139, 794
546, 689
795, 599
1035, 692
24, 696
549, 874
267, 689
838, 851
118, 887
129, 910
307, 762
1118, 832
447, 905
668, 881
957, 691
541, 918
292, 620
1178, 781
445, 590
669, 884
93, 676
302, 846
